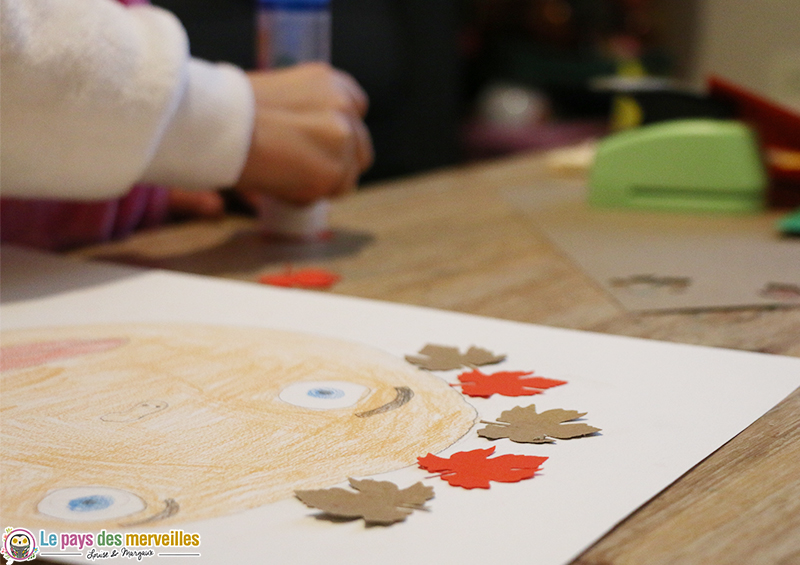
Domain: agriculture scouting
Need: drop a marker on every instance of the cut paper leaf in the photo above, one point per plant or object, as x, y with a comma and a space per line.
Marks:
525, 425
377, 502
444, 358
504, 383
304, 278
474, 469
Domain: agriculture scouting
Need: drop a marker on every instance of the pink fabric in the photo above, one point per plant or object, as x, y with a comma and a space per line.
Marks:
62, 224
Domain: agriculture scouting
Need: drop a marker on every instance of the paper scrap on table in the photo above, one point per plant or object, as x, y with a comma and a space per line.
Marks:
248, 384
667, 261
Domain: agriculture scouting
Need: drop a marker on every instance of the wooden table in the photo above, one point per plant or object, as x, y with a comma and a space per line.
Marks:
447, 240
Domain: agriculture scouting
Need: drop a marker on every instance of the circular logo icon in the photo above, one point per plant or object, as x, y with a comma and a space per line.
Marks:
19, 544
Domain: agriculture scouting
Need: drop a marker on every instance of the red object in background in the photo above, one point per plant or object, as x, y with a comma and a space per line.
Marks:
304, 278
779, 131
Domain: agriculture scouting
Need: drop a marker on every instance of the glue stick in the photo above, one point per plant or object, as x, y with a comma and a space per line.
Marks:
293, 31
290, 32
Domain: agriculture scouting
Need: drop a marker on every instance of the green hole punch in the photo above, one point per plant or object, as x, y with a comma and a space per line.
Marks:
695, 165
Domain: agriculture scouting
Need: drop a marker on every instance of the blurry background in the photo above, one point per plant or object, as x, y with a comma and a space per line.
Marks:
454, 80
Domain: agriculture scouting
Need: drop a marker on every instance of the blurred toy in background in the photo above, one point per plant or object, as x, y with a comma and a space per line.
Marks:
509, 118
554, 48
515, 106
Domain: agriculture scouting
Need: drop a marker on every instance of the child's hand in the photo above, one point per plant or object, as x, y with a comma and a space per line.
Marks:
309, 139
184, 203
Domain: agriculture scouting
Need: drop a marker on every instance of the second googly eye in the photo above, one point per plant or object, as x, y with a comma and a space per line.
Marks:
90, 503
323, 395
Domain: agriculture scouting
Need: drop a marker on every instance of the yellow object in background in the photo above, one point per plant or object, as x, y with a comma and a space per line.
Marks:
626, 112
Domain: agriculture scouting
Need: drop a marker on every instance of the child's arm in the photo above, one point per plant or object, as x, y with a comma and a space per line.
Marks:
97, 97
90, 89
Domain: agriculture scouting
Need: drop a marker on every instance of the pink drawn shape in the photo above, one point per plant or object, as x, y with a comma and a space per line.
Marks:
28, 355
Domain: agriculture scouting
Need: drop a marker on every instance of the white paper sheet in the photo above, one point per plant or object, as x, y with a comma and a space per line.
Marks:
662, 409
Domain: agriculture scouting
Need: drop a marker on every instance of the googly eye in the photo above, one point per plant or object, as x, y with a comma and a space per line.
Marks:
89, 504
323, 395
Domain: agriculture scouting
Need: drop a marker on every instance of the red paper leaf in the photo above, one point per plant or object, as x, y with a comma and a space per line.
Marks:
304, 278
474, 469
505, 383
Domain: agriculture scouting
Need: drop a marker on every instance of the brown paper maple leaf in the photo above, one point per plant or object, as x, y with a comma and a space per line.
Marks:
525, 425
443, 358
377, 502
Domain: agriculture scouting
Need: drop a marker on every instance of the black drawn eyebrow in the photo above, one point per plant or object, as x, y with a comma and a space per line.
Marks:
171, 507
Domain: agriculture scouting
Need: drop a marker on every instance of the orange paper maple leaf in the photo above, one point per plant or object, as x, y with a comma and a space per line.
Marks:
505, 383
304, 278
474, 469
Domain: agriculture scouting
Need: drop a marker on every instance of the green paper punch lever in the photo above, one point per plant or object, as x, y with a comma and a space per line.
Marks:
697, 165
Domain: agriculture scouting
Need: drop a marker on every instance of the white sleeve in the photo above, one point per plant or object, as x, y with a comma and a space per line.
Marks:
96, 97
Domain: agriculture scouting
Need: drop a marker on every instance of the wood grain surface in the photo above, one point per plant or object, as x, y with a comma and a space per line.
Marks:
448, 240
